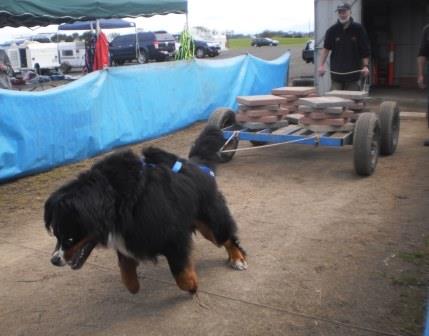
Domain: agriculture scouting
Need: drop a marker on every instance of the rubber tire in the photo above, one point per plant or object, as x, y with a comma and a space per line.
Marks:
390, 124
366, 143
221, 118
142, 57
199, 53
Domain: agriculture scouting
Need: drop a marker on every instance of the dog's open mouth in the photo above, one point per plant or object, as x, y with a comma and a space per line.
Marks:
82, 253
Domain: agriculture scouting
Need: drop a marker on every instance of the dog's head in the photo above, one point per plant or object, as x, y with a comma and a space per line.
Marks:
78, 214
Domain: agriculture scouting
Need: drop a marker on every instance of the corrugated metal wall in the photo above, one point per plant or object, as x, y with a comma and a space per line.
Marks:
400, 22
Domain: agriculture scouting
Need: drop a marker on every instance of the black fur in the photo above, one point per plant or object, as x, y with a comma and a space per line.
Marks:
152, 208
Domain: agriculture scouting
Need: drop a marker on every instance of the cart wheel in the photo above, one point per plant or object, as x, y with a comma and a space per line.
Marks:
366, 143
224, 117
389, 125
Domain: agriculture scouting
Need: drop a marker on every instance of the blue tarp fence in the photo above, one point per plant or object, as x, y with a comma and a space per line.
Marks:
123, 105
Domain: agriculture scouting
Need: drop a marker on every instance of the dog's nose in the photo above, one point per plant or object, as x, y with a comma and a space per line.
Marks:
57, 261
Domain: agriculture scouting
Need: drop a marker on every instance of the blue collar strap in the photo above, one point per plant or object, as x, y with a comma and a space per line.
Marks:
176, 167
179, 165
207, 170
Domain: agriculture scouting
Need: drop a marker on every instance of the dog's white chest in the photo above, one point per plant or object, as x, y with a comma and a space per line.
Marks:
117, 242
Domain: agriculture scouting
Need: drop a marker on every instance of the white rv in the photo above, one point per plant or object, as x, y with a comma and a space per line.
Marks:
204, 34
33, 55
72, 54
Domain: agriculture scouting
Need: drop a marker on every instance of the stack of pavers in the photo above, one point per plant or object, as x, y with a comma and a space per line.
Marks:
292, 94
360, 101
326, 114
260, 112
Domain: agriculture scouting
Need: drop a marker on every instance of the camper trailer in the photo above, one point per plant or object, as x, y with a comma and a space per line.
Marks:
32, 55
204, 34
72, 54
394, 29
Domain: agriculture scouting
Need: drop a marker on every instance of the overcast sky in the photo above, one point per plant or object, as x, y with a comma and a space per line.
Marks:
240, 16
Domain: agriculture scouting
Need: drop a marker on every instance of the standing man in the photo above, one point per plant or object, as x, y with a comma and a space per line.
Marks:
5, 70
421, 65
349, 46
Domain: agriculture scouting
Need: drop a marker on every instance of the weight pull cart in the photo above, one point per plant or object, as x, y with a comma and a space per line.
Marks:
373, 133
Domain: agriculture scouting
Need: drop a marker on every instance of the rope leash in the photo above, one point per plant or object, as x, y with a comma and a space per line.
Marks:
266, 146
345, 73
365, 83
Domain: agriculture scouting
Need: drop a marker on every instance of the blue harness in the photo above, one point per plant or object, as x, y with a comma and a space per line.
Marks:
178, 166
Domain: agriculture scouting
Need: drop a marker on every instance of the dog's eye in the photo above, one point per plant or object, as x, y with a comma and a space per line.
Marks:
68, 242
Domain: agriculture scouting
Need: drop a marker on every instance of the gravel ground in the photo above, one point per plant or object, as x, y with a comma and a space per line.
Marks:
330, 253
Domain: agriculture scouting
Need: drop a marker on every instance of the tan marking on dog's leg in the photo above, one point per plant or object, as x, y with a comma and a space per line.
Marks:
187, 279
128, 268
236, 257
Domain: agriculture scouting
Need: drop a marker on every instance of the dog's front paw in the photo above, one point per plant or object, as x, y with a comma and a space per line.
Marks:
239, 264
187, 280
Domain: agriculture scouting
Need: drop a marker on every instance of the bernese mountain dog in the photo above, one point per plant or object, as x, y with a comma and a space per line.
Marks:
144, 207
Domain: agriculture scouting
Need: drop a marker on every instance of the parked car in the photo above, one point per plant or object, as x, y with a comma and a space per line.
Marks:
308, 52
144, 46
263, 41
206, 48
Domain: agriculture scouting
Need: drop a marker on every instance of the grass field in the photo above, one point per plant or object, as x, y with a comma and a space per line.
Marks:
245, 42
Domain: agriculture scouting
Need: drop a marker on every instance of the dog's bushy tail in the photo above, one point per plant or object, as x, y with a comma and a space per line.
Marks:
206, 147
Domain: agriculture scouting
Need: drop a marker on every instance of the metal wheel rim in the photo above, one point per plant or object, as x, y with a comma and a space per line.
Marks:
395, 127
375, 147
374, 152
227, 122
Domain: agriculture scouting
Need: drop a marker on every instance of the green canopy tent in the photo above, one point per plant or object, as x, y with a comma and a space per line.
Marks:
29, 13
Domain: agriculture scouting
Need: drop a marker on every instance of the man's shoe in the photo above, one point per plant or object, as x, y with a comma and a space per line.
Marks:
426, 143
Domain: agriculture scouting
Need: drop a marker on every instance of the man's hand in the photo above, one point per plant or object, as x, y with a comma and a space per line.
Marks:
421, 81
321, 71
365, 71
3, 67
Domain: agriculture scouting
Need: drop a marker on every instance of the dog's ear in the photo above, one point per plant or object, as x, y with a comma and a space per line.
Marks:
92, 205
85, 206
48, 212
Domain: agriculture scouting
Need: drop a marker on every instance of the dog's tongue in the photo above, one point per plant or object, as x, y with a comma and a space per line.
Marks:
80, 256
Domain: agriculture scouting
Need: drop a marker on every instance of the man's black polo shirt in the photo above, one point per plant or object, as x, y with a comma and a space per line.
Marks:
348, 47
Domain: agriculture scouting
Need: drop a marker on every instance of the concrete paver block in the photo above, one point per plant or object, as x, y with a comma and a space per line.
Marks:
261, 100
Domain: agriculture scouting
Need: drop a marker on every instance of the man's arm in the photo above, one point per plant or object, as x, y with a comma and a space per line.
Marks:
364, 49
322, 60
365, 66
421, 63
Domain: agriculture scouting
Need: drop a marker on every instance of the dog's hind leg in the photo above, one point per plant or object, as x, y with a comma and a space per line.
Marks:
128, 268
236, 254
182, 268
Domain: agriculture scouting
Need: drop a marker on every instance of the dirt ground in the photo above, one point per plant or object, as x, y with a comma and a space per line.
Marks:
330, 253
